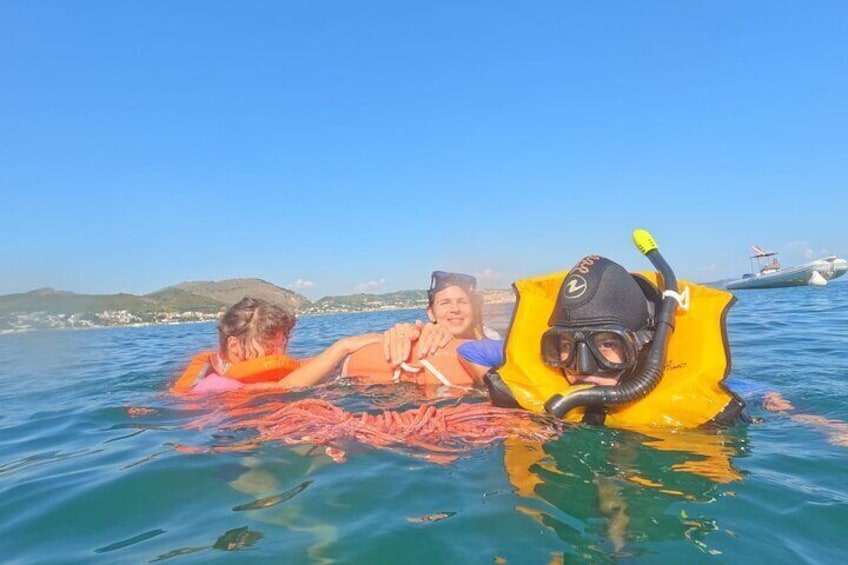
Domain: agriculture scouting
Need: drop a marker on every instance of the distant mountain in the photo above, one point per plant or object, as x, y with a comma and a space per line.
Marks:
186, 302
173, 299
188, 296
230, 291
47, 308
61, 302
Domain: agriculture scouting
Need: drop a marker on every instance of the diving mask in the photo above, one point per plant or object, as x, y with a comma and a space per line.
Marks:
440, 280
603, 349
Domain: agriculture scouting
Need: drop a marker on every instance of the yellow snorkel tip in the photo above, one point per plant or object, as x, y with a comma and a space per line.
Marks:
644, 241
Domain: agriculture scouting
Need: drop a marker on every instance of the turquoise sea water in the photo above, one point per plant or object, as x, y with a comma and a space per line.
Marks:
89, 471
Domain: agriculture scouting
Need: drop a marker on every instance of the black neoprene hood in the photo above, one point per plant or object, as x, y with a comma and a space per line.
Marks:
599, 291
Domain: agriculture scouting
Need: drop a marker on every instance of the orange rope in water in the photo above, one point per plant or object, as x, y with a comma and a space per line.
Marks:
442, 431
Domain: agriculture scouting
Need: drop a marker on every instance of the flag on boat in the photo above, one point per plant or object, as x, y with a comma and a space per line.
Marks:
759, 251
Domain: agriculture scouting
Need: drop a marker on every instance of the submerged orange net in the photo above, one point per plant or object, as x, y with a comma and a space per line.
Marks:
442, 432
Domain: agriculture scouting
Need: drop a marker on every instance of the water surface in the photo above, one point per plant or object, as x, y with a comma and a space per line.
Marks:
90, 472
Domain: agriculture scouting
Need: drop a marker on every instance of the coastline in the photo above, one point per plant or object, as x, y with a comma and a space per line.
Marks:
17, 331
58, 326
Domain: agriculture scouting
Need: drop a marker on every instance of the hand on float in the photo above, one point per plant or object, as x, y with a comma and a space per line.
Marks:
397, 342
433, 337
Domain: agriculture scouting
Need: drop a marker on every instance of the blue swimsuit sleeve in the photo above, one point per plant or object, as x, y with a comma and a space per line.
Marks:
746, 389
485, 352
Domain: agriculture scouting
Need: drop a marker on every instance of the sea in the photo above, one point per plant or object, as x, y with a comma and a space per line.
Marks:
94, 465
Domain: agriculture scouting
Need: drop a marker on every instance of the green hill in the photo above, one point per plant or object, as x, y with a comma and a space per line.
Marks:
363, 302
59, 302
47, 308
230, 291
173, 299
185, 302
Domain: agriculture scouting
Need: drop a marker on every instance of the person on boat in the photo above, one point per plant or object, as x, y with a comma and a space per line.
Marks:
771, 266
253, 338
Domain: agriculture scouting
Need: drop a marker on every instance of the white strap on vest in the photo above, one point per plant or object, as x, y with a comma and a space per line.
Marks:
424, 364
682, 298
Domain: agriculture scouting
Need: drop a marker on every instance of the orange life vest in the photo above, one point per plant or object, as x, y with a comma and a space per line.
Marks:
262, 369
368, 365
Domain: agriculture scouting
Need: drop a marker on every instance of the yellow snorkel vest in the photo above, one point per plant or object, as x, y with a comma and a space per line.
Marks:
690, 392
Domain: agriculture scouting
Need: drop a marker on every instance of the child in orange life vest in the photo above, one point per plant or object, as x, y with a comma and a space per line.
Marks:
253, 340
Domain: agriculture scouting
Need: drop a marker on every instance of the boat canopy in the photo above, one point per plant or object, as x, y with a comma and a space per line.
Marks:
759, 252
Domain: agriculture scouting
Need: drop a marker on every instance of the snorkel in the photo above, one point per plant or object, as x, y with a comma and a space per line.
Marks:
641, 384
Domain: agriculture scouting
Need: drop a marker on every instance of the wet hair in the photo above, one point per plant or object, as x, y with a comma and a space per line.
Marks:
254, 319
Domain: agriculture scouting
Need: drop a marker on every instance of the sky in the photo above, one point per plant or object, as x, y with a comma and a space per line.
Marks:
340, 147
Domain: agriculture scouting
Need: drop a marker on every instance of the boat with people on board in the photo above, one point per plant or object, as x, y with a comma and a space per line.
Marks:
769, 274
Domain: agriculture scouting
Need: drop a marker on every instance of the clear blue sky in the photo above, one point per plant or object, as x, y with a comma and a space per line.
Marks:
331, 147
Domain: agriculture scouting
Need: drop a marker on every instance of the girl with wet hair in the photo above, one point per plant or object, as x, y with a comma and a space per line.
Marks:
253, 338
252, 328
